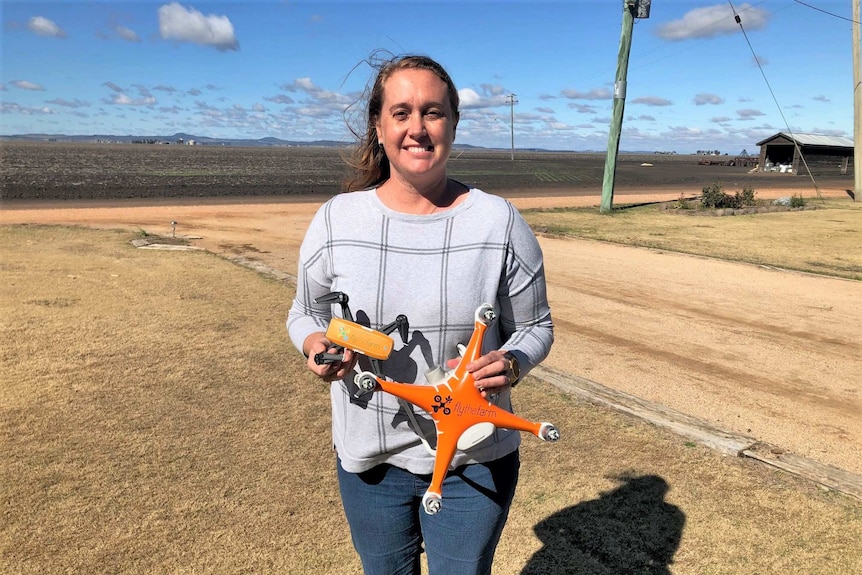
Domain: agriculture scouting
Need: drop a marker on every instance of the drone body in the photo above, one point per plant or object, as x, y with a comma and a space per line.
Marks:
462, 417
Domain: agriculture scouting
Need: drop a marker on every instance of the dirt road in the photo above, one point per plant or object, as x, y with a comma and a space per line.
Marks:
785, 368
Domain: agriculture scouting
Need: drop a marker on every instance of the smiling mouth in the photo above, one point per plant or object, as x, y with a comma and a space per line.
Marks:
420, 149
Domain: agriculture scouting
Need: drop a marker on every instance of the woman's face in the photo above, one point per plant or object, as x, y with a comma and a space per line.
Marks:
416, 126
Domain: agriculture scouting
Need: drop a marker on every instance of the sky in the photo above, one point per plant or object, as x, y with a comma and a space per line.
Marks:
543, 71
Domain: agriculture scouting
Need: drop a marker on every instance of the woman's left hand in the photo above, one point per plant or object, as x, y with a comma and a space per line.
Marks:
490, 372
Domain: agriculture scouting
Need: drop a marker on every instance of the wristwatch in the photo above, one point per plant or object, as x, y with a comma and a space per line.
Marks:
513, 371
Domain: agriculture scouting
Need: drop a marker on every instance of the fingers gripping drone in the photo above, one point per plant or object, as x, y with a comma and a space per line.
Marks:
462, 417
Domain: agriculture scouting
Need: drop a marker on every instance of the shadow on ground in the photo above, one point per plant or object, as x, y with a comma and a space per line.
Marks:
630, 529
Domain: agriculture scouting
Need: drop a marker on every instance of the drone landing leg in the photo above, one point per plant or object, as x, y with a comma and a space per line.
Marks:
432, 501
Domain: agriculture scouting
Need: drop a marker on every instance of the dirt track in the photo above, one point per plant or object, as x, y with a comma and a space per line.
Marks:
785, 369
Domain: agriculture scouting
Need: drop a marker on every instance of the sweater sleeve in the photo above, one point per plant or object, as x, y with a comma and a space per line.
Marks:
527, 329
313, 280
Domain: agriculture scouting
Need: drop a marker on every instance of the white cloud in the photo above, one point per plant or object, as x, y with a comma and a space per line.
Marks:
319, 99
582, 108
127, 34
304, 84
469, 98
315, 111
492, 96
13, 108
748, 114
25, 85
703, 99
124, 100
76, 103
279, 99
120, 98
594, 94
189, 25
493, 89
652, 101
44, 27
712, 21
830, 132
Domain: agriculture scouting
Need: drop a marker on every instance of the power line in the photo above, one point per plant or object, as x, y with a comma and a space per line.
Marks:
774, 98
826, 11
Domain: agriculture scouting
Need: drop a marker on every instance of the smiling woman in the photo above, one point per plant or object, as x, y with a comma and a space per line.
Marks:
409, 240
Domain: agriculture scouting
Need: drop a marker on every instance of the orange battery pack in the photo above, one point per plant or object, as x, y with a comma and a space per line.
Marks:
359, 338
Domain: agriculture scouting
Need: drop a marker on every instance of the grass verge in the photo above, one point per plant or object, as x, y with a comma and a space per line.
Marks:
824, 240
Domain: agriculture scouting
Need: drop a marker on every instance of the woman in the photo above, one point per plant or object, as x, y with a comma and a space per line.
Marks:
409, 240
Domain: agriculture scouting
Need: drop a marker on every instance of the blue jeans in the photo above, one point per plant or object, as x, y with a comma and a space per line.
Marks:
389, 527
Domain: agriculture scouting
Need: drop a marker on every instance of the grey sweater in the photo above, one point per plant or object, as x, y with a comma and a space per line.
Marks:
436, 269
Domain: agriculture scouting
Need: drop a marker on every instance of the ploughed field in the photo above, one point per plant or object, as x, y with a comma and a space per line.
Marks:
76, 171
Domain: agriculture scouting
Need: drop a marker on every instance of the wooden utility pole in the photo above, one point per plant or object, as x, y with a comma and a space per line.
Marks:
631, 8
512, 102
857, 105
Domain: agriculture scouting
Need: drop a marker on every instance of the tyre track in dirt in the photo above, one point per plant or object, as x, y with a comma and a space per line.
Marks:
669, 328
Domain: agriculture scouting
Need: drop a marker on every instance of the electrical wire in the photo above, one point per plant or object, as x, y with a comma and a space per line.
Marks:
826, 12
774, 98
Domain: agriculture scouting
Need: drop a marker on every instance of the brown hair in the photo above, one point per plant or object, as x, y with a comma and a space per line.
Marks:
368, 161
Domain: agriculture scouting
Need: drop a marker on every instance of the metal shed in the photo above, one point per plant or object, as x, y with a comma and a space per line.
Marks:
824, 155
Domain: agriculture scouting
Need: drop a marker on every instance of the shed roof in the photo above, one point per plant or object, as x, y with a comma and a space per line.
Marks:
812, 140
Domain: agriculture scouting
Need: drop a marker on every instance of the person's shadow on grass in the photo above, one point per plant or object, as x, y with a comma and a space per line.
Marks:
630, 529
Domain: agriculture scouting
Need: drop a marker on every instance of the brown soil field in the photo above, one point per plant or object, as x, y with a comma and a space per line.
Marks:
661, 326
64, 171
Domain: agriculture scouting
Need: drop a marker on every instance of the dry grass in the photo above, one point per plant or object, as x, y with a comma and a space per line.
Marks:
823, 240
155, 419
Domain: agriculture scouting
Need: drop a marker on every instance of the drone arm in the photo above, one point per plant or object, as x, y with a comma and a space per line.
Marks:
339, 298
432, 500
484, 316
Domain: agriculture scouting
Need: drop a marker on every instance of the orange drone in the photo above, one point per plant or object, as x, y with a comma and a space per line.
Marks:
462, 417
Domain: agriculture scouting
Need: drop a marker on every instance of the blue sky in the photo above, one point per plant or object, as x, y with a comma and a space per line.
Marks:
291, 69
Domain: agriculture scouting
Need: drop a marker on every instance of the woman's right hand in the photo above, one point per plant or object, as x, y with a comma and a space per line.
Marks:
318, 343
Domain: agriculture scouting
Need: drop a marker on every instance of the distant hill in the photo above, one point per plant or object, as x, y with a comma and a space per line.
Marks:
183, 138
178, 138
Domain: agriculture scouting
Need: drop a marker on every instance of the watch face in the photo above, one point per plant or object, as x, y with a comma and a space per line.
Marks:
514, 368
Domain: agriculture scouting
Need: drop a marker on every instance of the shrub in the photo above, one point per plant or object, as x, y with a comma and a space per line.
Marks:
747, 196
797, 202
714, 197
682, 203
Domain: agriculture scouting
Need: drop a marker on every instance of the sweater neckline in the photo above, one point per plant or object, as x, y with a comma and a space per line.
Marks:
442, 215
